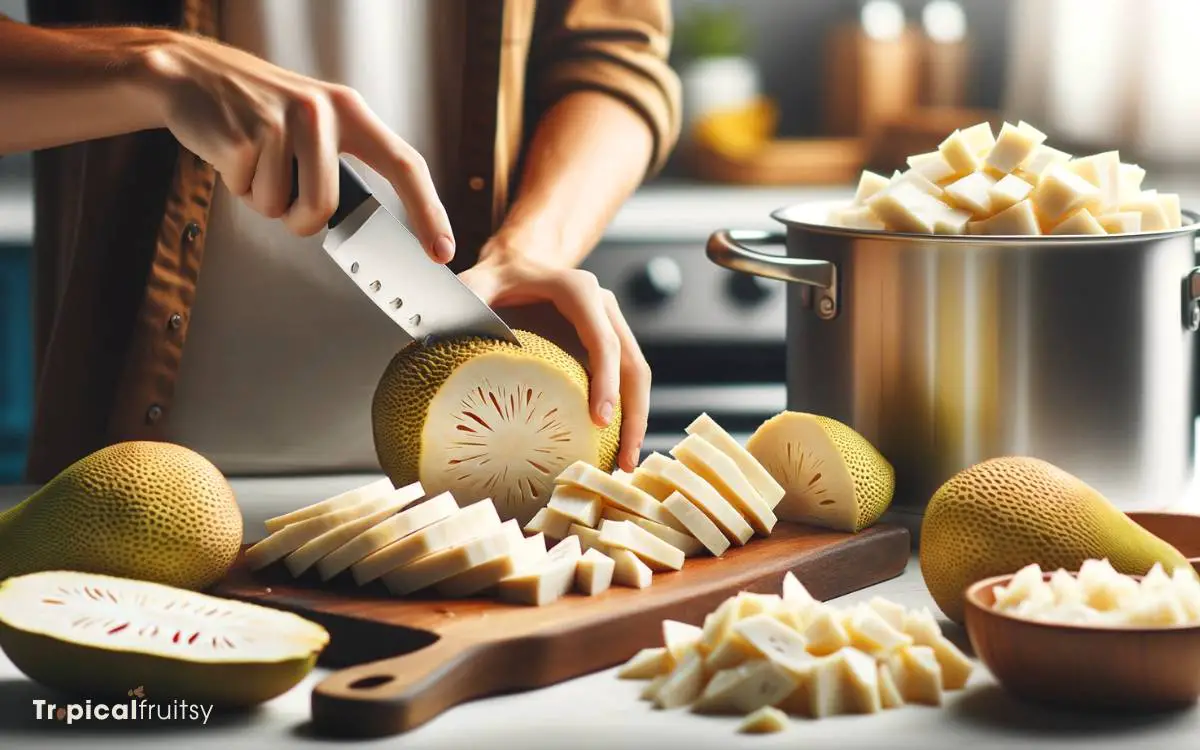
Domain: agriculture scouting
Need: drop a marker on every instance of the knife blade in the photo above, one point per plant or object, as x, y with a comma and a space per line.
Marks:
388, 265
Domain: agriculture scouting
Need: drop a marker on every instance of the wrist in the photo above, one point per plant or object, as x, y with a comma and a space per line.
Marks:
152, 68
530, 239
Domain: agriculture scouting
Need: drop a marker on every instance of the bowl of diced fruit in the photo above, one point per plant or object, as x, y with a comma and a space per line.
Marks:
1092, 639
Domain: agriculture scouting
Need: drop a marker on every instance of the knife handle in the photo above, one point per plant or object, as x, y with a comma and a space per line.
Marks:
352, 191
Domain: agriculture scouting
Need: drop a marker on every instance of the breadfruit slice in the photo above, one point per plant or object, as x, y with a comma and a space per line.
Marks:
723, 474
433, 569
701, 494
482, 418
354, 496
292, 537
832, 476
465, 524
386, 532
307, 554
768, 489
615, 492
98, 636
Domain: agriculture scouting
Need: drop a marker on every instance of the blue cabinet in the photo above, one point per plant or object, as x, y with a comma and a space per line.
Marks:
16, 358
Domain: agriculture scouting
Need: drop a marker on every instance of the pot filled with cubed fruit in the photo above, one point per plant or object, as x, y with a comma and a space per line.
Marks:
998, 297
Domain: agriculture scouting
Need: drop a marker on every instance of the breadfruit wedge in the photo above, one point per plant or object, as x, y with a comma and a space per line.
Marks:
386, 532
350, 497
723, 474
832, 476
307, 554
688, 544
97, 636
290, 538
768, 489
481, 418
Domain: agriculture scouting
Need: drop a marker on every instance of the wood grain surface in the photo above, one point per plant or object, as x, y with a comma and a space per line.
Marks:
404, 661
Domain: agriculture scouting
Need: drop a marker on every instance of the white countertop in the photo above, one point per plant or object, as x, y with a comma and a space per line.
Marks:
596, 711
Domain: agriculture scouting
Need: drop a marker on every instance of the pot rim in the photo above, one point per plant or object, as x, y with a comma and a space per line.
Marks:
787, 215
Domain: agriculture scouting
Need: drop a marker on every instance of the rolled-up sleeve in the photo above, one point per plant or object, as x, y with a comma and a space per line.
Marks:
618, 47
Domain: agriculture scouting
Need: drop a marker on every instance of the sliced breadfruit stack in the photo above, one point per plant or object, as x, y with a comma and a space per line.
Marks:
703, 495
313, 526
354, 496
832, 476
478, 519
483, 418
385, 533
439, 566
768, 489
720, 471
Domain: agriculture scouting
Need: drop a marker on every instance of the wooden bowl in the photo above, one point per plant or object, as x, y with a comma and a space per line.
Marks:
1180, 530
1082, 667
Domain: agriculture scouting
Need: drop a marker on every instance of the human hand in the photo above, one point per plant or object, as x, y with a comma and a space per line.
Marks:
249, 118
618, 368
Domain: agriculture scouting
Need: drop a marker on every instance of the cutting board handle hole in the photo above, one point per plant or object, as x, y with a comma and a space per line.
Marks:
375, 680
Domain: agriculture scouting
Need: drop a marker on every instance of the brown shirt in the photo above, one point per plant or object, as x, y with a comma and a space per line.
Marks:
120, 223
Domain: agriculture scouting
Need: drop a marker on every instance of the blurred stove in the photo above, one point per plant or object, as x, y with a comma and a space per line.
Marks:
714, 338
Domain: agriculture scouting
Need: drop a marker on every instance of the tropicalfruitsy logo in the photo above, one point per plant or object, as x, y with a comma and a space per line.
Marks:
137, 708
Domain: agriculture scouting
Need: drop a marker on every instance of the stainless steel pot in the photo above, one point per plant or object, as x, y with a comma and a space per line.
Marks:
945, 351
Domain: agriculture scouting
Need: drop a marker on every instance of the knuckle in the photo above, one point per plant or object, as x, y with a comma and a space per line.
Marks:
587, 281
345, 98
306, 106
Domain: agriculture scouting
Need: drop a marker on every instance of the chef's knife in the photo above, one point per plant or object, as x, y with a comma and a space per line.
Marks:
387, 263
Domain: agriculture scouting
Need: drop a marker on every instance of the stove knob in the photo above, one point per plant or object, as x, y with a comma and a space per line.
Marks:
748, 289
660, 280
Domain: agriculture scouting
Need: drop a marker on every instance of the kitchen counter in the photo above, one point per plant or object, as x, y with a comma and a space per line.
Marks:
595, 711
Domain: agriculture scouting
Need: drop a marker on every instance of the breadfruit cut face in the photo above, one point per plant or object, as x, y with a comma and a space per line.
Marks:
100, 636
482, 418
832, 476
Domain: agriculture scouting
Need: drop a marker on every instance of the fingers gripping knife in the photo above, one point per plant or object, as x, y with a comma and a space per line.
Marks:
387, 263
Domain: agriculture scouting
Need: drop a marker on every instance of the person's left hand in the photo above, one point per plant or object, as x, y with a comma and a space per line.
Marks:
618, 368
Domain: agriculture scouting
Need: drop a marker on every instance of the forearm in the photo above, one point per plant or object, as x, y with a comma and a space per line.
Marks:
60, 86
587, 155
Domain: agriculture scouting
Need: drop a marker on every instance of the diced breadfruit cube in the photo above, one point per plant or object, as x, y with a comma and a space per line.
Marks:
550, 522
869, 183
1009, 191
1013, 146
1080, 222
905, 208
980, 137
1130, 177
972, 193
855, 217
959, 154
765, 720
646, 664
932, 166
1152, 210
1042, 158
1121, 222
594, 572
1061, 192
1019, 219
1103, 171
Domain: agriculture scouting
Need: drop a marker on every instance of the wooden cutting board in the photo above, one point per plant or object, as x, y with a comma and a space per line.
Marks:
407, 660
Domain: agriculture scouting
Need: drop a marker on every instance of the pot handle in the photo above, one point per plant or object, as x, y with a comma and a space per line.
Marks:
1191, 286
725, 248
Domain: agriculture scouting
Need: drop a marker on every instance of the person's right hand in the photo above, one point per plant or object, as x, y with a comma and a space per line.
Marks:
248, 118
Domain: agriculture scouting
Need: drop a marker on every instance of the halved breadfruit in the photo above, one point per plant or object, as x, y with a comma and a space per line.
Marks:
98, 636
832, 476
483, 418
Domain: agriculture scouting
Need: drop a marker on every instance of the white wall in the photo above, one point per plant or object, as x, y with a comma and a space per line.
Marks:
13, 9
